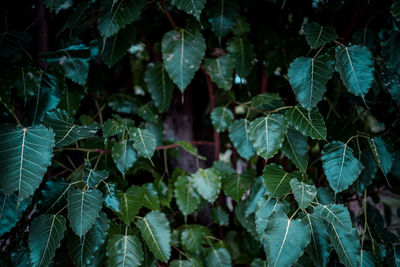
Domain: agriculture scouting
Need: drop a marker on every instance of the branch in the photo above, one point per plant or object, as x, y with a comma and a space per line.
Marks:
169, 17
191, 142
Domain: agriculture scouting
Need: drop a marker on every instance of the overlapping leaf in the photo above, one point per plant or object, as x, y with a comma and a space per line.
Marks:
383, 153
143, 141
391, 51
336, 214
276, 180
130, 203
218, 257
265, 208
193, 237
235, 184
303, 193
309, 123
239, 135
346, 244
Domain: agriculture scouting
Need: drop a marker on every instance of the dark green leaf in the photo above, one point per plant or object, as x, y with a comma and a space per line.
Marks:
239, 135
265, 208
390, 51
220, 216
336, 214
235, 185
186, 197
295, 148
309, 123
123, 155
276, 180
124, 250
192, 7
221, 118
11, 211
220, 70
130, 203
222, 16
242, 51
193, 237
218, 257
382, 151
143, 141
150, 196
318, 35
346, 244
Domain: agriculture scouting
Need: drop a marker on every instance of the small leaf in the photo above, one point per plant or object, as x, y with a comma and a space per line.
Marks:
207, 183
318, 35
235, 185
11, 211
265, 208
186, 197
113, 127
276, 181
157, 234
295, 148
144, 142
242, 51
220, 70
336, 214
382, 151
239, 135
220, 216
222, 16
219, 257
192, 7
309, 123
193, 237
124, 250
188, 147
303, 193
130, 203
221, 118
123, 155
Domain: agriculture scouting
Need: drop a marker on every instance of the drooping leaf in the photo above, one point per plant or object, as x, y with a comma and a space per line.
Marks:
182, 53
308, 78
309, 123
356, 67
159, 84
382, 151
192, 7
235, 185
336, 214
276, 180
45, 234
186, 197
66, 131
143, 141
340, 166
130, 203
83, 209
220, 216
239, 135
150, 196
193, 237
285, 239
157, 234
346, 244
220, 70
124, 250
390, 50
295, 148
222, 15
265, 208
218, 257
25, 155
208, 183
303, 193
267, 134
11, 211
123, 155
325, 195
318, 35
242, 51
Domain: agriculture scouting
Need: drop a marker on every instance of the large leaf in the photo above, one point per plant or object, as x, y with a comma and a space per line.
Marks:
303, 193
66, 131
157, 234
382, 151
143, 141
265, 208
84, 250
295, 148
11, 211
276, 180
83, 209
123, 155
159, 84
318, 35
193, 7
222, 15
285, 239
130, 203
218, 257
309, 123
346, 244
391, 51
193, 237
308, 78
221, 70
186, 197
235, 185
242, 51
267, 134
340, 166
356, 67
239, 135
207, 183
336, 214
25, 155
124, 250
45, 234
182, 53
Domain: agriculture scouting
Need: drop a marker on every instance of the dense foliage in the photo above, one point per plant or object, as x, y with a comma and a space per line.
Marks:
200, 133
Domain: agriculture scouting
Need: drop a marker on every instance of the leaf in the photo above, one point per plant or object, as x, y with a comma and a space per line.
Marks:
71, 100
25, 155
265, 208
383, 153
115, 17
182, 53
276, 181
130, 203
220, 70
235, 185
318, 35
12, 43
242, 27
83, 209
57, 5
193, 237
45, 234
181, 263
285, 239
222, 15
267, 101
309, 123
256, 192
123, 155
150, 196
220, 216
124, 250
335, 214
54, 195
267, 134
66, 131
340, 166
157, 234
207, 183
84, 250
367, 174
92, 177
186, 197
192, 7
346, 244
159, 84
303, 193
356, 67
390, 51
239, 135
295, 148
395, 10
11, 211
188, 147
308, 78
219, 257
242, 51
113, 127
144, 141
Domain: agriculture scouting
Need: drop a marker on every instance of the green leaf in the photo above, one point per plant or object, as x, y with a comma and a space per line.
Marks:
84, 250
219, 257
340, 166
303, 193
308, 78
83, 209
113, 127
192, 7
220, 70
265, 208
115, 17
45, 234
66, 131
54, 195
220, 216
181, 263
207, 183
285, 239
242, 51
182, 53
222, 15
235, 184
346, 244
309, 123
157, 234
318, 35
144, 141
356, 67
93, 177
186, 197
242, 27
159, 84
276, 181
11, 211
124, 250
193, 237
336, 214
390, 51
239, 135
71, 100
25, 155
367, 174
150, 196
383, 153
123, 155
188, 147
295, 148
267, 101
57, 5
130, 203
267, 134
256, 192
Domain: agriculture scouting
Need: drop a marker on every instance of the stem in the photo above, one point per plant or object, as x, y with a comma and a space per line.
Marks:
169, 17
191, 142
